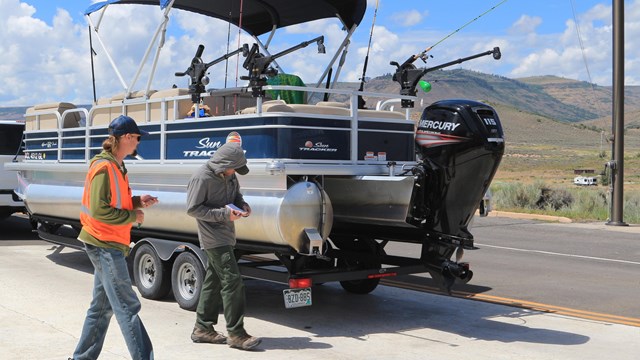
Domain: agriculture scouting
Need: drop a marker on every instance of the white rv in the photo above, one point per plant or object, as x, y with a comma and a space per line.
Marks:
585, 180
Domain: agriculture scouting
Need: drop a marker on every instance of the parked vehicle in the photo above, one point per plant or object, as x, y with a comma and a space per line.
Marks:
585, 180
330, 183
10, 151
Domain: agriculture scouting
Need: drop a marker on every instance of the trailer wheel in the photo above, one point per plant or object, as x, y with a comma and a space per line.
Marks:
150, 273
373, 250
363, 286
186, 278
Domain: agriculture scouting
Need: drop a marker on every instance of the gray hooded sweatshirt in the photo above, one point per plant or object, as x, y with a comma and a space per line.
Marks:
209, 191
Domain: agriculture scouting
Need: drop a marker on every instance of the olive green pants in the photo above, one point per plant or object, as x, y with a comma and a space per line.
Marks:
222, 288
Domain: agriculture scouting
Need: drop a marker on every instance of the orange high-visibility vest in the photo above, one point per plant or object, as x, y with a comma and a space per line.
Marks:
120, 199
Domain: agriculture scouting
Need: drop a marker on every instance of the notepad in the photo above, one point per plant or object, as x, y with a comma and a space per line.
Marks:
235, 208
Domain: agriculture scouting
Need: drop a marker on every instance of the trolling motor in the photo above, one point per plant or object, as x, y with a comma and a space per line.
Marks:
259, 64
197, 71
408, 76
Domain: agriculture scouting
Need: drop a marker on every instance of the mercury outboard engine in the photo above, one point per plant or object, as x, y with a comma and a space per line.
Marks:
460, 144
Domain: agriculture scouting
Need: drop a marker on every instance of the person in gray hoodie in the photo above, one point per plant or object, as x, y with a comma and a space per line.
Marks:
211, 194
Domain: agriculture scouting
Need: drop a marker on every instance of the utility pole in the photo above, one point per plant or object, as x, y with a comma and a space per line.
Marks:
617, 163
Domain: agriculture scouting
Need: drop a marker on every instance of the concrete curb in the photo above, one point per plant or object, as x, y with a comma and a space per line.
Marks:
513, 215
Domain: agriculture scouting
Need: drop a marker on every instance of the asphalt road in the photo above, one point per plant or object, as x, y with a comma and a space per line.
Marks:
45, 292
591, 267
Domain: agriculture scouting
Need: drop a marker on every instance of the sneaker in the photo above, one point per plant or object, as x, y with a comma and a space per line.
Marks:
207, 336
243, 342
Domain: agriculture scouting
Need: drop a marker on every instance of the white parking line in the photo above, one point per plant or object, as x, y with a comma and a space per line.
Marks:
560, 254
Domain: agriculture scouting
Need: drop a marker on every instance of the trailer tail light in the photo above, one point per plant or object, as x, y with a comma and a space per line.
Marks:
300, 283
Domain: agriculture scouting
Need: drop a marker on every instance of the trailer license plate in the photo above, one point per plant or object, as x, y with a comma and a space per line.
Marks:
294, 298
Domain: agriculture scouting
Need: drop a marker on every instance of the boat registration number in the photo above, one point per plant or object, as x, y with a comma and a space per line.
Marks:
294, 298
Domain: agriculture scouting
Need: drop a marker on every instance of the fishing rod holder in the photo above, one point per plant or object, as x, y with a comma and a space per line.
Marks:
198, 69
259, 64
408, 75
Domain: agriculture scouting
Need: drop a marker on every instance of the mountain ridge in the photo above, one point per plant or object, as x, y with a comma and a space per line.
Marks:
552, 97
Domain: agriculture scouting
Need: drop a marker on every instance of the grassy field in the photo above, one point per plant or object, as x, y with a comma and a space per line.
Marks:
537, 171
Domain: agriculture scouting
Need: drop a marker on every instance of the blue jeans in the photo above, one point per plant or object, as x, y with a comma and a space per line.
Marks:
112, 294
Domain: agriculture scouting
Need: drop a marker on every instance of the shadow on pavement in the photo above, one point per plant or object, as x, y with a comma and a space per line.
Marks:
16, 228
336, 313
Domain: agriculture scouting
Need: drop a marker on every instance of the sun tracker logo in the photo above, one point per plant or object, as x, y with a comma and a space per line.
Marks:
319, 146
206, 147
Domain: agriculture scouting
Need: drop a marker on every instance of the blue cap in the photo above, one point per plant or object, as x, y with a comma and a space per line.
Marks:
124, 125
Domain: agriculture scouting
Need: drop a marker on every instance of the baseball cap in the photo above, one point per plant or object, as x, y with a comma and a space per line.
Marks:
124, 125
242, 170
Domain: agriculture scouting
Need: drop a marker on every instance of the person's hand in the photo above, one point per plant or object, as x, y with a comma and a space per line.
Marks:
139, 216
247, 210
234, 215
148, 200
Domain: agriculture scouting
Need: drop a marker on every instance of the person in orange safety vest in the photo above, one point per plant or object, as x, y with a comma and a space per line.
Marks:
107, 215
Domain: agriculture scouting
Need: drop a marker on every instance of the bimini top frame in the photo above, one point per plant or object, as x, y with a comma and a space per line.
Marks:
257, 17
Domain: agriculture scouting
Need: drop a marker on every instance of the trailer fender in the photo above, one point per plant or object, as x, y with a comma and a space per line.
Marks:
167, 248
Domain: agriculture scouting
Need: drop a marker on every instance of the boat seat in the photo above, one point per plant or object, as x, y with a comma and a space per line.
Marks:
176, 108
320, 110
50, 120
333, 104
364, 113
102, 116
135, 106
269, 106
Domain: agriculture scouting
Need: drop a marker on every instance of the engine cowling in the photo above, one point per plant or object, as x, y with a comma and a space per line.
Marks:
460, 144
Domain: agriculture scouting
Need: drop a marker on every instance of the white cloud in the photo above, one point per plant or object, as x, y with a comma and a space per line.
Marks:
526, 24
47, 59
407, 18
564, 55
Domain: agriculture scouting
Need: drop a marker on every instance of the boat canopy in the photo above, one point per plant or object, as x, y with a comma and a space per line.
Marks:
261, 16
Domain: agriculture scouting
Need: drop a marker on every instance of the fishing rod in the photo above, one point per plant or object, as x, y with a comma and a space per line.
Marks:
408, 76
423, 54
361, 102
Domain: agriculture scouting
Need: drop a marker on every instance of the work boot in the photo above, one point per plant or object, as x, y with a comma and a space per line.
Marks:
243, 342
207, 336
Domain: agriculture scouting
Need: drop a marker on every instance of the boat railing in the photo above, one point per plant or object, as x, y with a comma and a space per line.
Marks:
77, 141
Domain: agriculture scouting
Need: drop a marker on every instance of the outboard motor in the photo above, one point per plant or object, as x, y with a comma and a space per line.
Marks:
460, 144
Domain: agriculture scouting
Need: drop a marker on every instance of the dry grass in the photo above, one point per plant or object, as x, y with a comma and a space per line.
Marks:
542, 152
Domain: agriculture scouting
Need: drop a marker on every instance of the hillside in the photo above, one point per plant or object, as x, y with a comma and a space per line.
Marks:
12, 113
550, 97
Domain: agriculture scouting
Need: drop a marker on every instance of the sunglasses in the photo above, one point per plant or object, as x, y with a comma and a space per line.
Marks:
137, 137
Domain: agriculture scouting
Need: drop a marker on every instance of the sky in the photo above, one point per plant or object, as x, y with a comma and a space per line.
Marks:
44, 44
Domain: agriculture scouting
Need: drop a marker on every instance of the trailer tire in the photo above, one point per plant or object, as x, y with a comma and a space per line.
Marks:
367, 246
150, 274
362, 287
187, 276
